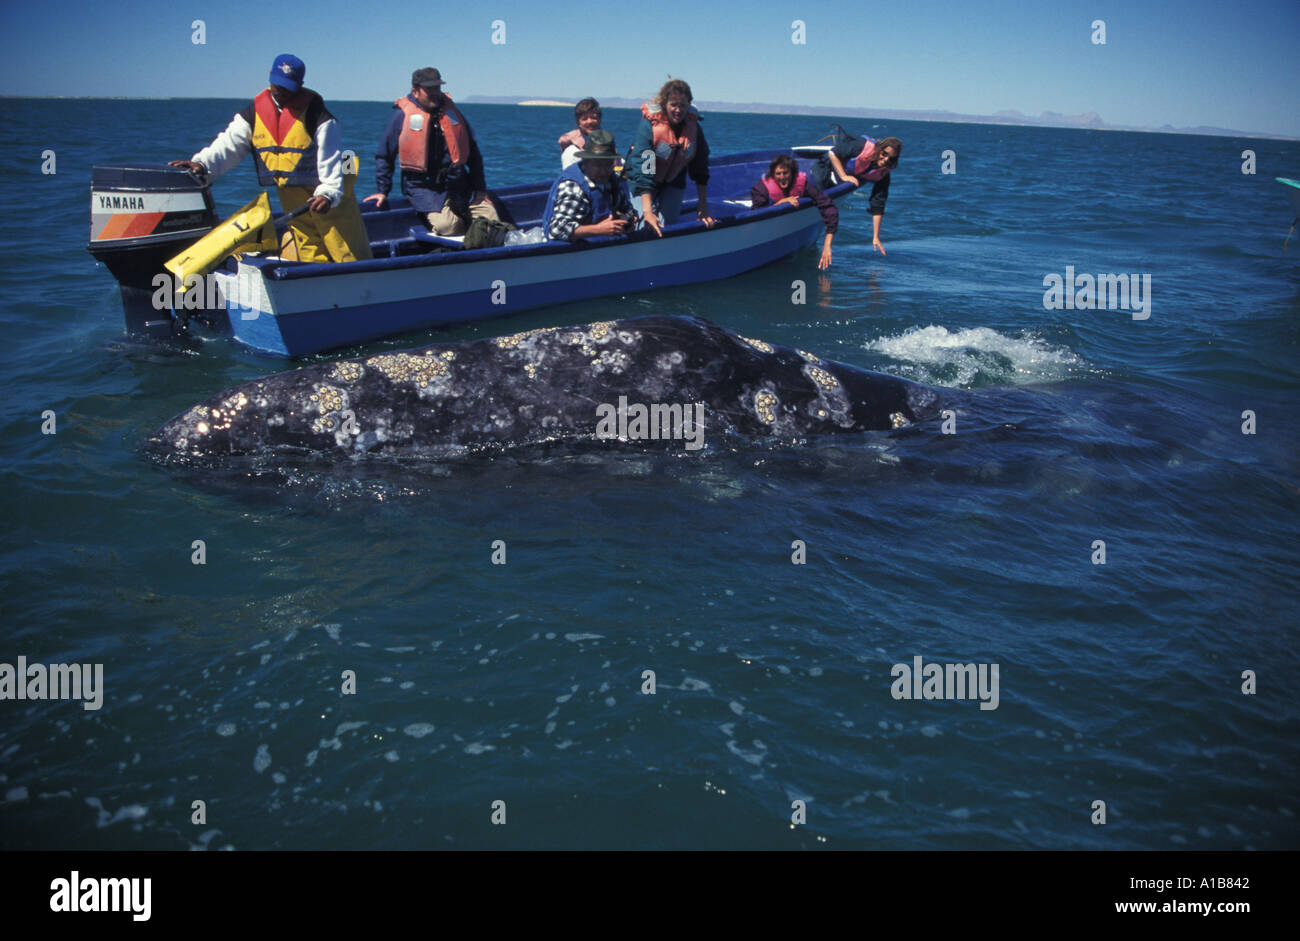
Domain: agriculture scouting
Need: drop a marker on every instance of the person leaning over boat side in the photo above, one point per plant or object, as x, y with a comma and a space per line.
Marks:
785, 184
587, 113
586, 199
442, 168
670, 130
295, 145
859, 162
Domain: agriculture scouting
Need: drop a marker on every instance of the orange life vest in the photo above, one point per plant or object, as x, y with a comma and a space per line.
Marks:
413, 144
284, 140
672, 151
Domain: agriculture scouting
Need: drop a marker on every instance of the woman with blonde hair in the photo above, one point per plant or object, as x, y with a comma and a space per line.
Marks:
669, 146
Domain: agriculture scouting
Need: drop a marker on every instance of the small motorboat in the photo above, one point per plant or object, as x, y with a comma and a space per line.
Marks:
141, 216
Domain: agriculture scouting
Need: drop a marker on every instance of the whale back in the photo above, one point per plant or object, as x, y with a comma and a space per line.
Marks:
545, 385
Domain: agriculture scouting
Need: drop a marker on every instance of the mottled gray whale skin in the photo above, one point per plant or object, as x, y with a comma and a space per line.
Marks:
542, 386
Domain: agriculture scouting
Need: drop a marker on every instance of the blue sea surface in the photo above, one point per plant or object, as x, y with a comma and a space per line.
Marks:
475, 682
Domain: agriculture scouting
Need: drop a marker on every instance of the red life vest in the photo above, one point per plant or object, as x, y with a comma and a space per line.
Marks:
775, 193
864, 162
672, 151
413, 144
284, 140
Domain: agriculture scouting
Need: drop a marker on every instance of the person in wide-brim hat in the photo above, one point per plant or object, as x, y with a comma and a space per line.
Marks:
587, 199
599, 146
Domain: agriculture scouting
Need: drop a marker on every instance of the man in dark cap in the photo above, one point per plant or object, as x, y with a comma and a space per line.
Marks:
295, 143
442, 169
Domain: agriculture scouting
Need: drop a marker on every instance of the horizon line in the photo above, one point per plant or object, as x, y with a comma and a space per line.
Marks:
730, 107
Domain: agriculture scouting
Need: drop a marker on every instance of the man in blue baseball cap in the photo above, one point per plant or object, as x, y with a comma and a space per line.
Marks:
295, 143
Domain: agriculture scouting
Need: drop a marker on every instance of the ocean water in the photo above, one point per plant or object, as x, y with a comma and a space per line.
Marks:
522, 683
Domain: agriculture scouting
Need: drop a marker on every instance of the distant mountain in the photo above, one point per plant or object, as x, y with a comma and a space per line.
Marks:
1090, 120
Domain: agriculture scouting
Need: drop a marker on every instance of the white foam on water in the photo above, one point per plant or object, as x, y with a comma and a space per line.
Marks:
262, 760
418, 729
584, 636
15, 794
478, 748
226, 729
960, 358
347, 727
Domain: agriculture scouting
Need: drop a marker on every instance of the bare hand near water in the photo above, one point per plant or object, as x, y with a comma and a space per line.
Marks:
789, 200
318, 204
379, 199
188, 165
825, 261
877, 247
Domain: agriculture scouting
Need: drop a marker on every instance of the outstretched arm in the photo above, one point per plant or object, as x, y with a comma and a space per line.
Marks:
840, 172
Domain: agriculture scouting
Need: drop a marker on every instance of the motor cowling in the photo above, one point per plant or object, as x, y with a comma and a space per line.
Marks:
140, 216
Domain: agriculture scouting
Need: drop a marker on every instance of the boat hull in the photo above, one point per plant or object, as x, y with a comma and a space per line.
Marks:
297, 316
416, 280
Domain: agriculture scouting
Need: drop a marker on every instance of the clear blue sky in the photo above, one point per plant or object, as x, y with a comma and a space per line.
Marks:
1179, 62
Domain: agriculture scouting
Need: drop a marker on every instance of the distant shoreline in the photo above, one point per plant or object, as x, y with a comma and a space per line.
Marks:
1084, 122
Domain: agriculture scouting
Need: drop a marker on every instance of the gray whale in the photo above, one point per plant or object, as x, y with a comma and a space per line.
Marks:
547, 385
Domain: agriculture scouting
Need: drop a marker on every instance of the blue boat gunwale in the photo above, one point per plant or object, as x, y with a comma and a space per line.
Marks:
276, 269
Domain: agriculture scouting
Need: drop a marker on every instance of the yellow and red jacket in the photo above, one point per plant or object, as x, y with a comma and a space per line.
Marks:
284, 141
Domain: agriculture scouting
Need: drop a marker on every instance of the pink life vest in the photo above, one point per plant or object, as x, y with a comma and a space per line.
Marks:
796, 189
574, 138
864, 162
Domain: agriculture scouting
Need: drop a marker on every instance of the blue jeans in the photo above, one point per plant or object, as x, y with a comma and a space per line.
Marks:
668, 201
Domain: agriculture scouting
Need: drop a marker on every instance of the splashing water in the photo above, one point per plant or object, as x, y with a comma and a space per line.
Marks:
978, 356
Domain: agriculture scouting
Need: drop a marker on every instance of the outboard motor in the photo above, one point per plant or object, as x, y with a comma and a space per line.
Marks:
140, 216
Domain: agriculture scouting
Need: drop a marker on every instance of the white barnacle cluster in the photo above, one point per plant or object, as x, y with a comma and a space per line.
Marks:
348, 371
666, 361
765, 405
758, 344
403, 367
832, 402
328, 401
597, 335
514, 339
614, 361
220, 419
808, 357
